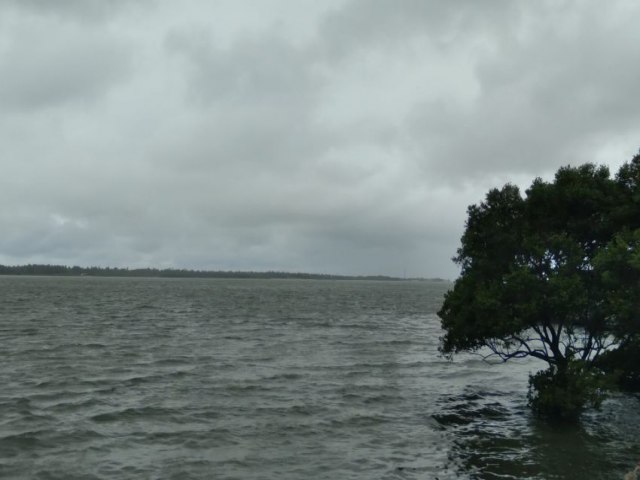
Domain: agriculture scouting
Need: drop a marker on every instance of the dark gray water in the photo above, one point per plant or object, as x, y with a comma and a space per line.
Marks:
105, 378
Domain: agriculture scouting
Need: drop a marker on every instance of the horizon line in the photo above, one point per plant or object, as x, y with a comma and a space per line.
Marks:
75, 270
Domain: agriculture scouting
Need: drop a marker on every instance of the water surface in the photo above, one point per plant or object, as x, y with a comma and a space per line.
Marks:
117, 378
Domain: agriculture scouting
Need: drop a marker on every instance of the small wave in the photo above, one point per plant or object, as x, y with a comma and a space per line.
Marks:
382, 399
174, 361
471, 407
294, 410
132, 414
25, 440
146, 306
284, 376
247, 388
29, 331
448, 419
356, 421
86, 403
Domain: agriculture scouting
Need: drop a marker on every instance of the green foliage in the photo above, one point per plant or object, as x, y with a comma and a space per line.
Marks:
553, 274
619, 265
623, 365
564, 393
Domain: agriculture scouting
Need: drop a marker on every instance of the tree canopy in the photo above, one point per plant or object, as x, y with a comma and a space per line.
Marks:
552, 274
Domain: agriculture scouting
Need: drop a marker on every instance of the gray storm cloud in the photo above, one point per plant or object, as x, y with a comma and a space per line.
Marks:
337, 137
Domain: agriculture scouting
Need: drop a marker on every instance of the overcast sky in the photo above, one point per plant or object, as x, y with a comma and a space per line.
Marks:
333, 136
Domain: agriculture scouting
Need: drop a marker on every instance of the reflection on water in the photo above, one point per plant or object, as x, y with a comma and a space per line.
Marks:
497, 438
110, 378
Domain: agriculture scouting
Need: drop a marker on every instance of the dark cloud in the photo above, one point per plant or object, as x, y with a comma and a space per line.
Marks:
544, 99
46, 61
256, 99
388, 25
36, 74
342, 136
76, 10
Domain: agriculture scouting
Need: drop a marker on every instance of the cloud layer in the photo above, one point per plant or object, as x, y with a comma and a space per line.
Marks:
336, 137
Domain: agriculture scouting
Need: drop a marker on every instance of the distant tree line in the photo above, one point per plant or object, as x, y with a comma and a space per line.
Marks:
63, 270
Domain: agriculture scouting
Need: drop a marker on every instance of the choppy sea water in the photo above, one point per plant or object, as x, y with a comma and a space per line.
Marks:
123, 378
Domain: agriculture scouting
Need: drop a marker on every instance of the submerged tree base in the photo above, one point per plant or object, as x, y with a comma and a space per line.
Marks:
563, 393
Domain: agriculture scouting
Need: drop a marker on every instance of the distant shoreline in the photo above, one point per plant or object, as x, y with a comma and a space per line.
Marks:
75, 271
